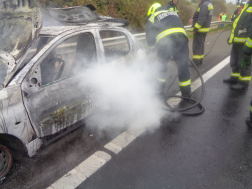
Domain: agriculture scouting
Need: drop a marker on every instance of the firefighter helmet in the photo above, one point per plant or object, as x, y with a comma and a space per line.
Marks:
153, 8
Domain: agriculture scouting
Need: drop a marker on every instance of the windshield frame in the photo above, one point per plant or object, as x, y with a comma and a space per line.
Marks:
22, 62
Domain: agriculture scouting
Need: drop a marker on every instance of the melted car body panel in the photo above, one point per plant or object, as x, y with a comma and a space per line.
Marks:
13, 116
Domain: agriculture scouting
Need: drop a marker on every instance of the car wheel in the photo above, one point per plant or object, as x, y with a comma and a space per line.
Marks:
5, 160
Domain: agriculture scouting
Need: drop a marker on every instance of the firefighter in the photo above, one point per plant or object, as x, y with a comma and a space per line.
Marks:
200, 26
240, 76
246, 65
172, 6
235, 14
165, 31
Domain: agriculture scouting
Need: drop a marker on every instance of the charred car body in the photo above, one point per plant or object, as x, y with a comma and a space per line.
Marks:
40, 99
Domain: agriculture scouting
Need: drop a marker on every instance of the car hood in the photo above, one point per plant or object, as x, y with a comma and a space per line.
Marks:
20, 24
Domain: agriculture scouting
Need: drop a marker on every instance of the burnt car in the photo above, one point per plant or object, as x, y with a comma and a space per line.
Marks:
41, 67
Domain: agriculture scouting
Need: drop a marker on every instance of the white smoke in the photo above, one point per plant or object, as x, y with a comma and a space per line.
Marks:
127, 96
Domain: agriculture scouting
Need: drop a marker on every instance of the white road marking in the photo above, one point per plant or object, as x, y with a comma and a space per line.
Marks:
196, 84
122, 140
84, 170
88, 167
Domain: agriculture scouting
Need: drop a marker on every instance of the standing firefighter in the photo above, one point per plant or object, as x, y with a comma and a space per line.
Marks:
172, 6
201, 23
165, 31
235, 14
246, 65
240, 76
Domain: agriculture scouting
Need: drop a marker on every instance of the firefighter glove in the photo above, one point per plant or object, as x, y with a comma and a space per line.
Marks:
246, 61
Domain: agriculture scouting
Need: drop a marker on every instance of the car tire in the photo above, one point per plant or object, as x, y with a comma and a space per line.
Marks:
5, 160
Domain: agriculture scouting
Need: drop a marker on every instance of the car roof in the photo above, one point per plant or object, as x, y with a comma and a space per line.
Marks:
57, 30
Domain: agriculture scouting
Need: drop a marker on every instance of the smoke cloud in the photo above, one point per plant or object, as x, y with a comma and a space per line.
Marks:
126, 96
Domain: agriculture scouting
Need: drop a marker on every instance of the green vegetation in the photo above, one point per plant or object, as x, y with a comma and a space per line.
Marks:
136, 11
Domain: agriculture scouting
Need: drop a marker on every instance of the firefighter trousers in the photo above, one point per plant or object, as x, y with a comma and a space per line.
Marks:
242, 74
198, 47
176, 46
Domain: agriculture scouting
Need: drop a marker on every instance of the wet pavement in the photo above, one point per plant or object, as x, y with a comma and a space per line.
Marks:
212, 150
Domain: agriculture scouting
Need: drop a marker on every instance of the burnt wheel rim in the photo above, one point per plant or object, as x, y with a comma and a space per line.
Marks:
5, 160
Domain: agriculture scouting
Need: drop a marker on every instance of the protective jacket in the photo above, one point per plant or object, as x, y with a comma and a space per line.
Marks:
202, 17
236, 11
224, 18
161, 24
241, 25
172, 7
248, 45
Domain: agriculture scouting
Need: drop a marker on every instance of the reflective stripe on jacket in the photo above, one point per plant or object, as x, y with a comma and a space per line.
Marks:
202, 17
248, 45
161, 24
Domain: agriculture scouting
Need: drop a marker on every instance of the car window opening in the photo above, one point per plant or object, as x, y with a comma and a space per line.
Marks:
114, 51
69, 58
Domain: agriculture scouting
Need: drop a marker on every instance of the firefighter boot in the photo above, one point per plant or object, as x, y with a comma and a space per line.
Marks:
185, 102
231, 80
239, 86
249, 122
187, 95
197, 62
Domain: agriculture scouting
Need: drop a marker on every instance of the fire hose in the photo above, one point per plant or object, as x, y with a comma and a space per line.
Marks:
196, 102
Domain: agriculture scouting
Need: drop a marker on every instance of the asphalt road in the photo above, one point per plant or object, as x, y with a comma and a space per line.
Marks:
212, 150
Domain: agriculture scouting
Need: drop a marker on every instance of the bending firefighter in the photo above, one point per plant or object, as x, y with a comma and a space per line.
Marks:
165, 32
200, 27
240, 76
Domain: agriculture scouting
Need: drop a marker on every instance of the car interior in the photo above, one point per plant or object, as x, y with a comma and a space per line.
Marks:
69, 58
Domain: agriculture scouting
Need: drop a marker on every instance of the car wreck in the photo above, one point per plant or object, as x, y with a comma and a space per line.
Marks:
40, 99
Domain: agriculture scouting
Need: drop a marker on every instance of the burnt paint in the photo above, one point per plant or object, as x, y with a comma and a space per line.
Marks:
13, 117
57, 105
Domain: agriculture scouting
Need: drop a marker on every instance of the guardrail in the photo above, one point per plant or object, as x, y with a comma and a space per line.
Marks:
141, 36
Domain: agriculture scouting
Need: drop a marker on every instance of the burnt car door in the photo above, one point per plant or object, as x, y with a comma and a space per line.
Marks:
53, 93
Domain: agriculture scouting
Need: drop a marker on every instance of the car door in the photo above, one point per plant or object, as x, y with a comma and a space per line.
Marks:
53, 91
116, 45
